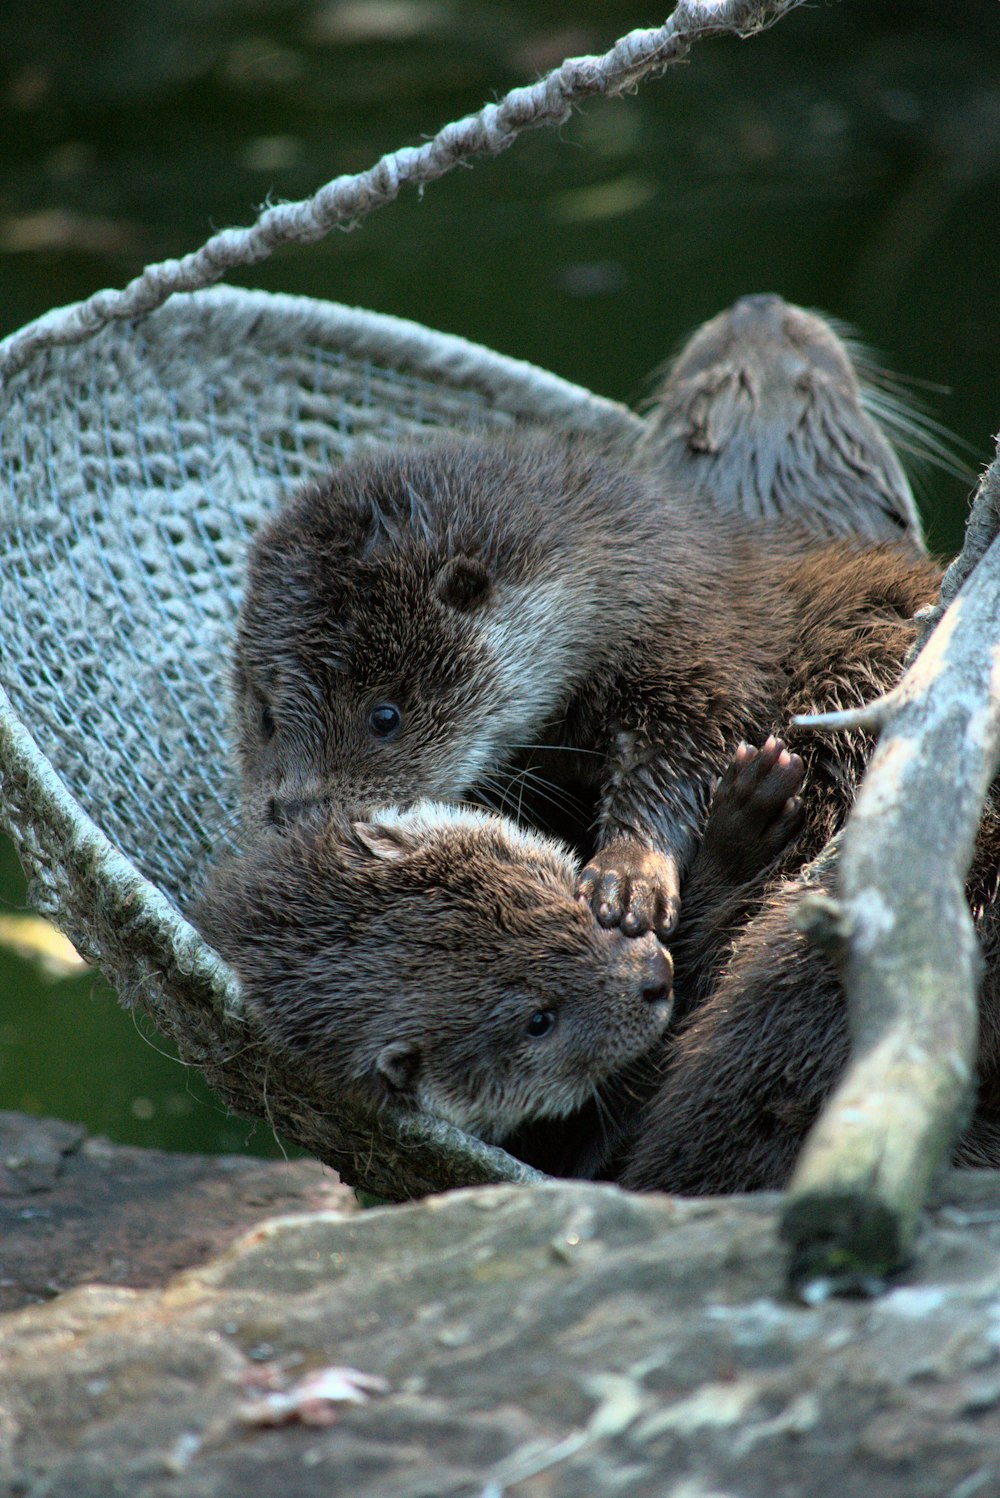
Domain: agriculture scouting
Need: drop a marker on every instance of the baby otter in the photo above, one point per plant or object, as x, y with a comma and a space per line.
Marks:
436, 959
763, 415
435, 621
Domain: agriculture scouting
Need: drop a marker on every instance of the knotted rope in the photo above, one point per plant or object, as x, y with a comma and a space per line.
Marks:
347, 200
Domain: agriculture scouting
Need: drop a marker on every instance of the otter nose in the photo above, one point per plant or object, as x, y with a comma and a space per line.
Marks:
766, 310
284, 813
659, 977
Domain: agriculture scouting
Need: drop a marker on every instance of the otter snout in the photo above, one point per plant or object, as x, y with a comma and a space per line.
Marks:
283, 814
762, 312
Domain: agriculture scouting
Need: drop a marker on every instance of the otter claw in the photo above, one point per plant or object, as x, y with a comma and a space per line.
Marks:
631, 887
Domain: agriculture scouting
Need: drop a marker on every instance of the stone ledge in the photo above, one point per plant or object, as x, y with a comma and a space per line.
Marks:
557, 1341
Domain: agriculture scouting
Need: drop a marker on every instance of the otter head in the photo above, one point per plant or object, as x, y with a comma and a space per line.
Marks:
507, 1002
763, 415
382, 644
435, 959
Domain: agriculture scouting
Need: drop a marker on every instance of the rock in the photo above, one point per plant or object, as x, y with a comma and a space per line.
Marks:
554, 1341
74, 1208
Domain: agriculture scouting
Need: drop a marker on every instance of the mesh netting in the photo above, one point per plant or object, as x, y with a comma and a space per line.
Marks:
134, 467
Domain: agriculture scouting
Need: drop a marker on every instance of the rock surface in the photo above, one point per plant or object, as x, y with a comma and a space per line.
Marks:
74, 1208
555, 1341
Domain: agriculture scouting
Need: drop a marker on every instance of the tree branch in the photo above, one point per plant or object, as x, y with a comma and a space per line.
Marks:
903, 938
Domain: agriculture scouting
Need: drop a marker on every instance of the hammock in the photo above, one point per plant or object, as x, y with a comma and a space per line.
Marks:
142, 440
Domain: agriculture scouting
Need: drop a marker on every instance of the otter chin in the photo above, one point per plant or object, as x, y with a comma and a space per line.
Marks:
435, 959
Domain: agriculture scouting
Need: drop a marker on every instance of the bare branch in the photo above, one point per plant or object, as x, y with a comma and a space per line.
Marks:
903, 937
980, 529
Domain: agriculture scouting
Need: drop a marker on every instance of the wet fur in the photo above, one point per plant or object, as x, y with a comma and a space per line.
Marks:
763, 415
747, 1072
654, 639
401, 959
525, 600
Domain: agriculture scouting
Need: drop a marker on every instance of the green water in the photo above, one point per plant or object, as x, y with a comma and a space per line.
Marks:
849, 159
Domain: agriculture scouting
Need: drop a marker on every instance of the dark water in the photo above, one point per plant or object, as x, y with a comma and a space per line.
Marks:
849, 159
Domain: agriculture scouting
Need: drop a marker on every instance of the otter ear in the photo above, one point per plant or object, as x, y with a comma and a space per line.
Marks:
398, 1064
463, 583
386, 840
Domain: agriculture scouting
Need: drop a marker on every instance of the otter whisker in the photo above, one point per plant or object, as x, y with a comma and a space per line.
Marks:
549, 791
501, 791
511, 793
605, 1115
891, 399
555, 749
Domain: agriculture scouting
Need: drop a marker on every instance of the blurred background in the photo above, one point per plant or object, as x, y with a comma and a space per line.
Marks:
848, 159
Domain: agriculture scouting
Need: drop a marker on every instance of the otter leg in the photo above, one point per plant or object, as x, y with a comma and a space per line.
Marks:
749, 1070
634, 887
756, 813
747, 1073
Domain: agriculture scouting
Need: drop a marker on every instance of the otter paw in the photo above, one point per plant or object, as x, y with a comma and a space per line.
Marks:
756, 810
632, 887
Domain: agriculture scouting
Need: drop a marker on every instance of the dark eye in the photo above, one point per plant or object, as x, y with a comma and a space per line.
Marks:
267, 723
385, 720
541, 1023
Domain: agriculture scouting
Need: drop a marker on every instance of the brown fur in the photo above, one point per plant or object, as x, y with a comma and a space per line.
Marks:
762, 415
748, 1071
531, 607
403, 959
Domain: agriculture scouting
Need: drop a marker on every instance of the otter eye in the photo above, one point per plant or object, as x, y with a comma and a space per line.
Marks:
385, 720
266, 722
541, 1023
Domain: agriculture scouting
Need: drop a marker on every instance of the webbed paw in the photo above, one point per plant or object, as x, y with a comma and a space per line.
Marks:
756, 810
632, 887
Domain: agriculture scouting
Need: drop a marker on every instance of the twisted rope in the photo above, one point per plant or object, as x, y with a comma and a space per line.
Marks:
346, 200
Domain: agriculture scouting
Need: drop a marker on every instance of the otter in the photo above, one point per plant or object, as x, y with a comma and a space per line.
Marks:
754, 823
763, 416
438, 959
435, 959
750, 1066
446, 620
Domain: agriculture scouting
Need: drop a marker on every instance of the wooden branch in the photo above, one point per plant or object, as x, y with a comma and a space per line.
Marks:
980, 529
902, 935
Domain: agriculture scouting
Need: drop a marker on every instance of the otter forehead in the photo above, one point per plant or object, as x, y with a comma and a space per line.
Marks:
489, 881
465, 830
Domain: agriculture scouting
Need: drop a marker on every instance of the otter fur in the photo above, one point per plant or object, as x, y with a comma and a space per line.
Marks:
763, 416
439, 620
435, 959
749, 1068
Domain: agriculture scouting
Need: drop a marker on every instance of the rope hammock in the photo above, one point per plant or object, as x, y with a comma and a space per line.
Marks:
144, 434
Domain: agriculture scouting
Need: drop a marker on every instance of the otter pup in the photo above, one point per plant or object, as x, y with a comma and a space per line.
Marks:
762, 415
438, 620
436, 959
